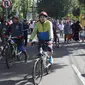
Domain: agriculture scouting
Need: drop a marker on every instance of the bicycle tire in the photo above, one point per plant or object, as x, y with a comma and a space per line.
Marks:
38, 66
9, 56
48, 69
22, 56
48, 66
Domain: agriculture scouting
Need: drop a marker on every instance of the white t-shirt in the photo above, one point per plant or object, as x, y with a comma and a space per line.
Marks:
31, 25
61, 27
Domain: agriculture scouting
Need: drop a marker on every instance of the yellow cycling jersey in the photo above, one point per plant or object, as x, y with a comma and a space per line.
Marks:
44, 31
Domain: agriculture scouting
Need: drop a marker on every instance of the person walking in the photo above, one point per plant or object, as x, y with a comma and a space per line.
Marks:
25, 28
76, 29
67, 31
61, 28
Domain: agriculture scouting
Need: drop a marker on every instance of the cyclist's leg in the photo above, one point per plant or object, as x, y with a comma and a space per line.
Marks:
50, 50
20, 45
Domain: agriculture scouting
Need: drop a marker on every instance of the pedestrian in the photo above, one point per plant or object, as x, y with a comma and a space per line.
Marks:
25, 28
67, 32
54, 29
31, 25
76, 29
82, 34
61, 28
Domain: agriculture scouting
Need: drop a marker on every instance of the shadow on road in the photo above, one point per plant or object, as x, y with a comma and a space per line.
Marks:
57, 66
21, 73
67, 49
15, 75
17, 82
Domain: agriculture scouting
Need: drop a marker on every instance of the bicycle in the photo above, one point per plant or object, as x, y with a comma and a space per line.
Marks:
12, 53
41, 64
2, 44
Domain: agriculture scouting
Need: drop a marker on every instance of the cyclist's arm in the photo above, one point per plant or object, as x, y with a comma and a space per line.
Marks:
33, 33
51, 32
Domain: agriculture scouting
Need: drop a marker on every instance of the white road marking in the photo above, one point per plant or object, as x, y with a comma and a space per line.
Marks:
78, 73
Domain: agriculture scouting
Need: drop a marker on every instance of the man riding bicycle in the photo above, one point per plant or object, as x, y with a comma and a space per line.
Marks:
44, 31
15, 30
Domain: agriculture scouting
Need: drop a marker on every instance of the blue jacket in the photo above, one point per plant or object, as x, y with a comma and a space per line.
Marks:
16, 29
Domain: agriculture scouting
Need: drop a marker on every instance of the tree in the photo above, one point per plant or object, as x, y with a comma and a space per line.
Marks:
56, 8
20, 7
76, 11
82, 1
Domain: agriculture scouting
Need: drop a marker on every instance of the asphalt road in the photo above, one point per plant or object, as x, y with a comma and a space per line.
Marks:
68, 63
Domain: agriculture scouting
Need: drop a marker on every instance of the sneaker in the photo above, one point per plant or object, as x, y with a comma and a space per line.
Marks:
51, 60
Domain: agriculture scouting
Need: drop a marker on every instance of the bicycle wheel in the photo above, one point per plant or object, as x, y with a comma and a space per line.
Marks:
37, 71
48, 66
22, 56
9, 56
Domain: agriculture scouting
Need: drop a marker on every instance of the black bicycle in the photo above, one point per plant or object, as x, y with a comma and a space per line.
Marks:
12, 53
41, 64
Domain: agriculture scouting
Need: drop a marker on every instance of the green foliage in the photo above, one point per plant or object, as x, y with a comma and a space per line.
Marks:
56, 8
76, 11
20, 6
82, 1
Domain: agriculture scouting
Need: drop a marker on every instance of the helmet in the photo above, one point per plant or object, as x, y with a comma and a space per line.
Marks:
16, 17
44, 14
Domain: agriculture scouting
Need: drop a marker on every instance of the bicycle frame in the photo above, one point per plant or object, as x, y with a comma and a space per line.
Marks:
43, 55
13, 44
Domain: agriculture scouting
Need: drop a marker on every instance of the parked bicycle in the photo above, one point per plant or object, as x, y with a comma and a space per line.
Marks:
41, 64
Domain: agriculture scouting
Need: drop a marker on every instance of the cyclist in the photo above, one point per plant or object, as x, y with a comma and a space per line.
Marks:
16, 31
44, 31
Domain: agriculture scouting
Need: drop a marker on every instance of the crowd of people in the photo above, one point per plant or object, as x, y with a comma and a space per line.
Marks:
46, 29
68, 29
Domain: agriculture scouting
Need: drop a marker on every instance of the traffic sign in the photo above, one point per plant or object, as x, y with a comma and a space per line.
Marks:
6, 3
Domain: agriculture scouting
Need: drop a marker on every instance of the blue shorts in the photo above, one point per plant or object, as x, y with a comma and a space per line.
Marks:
20, 44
